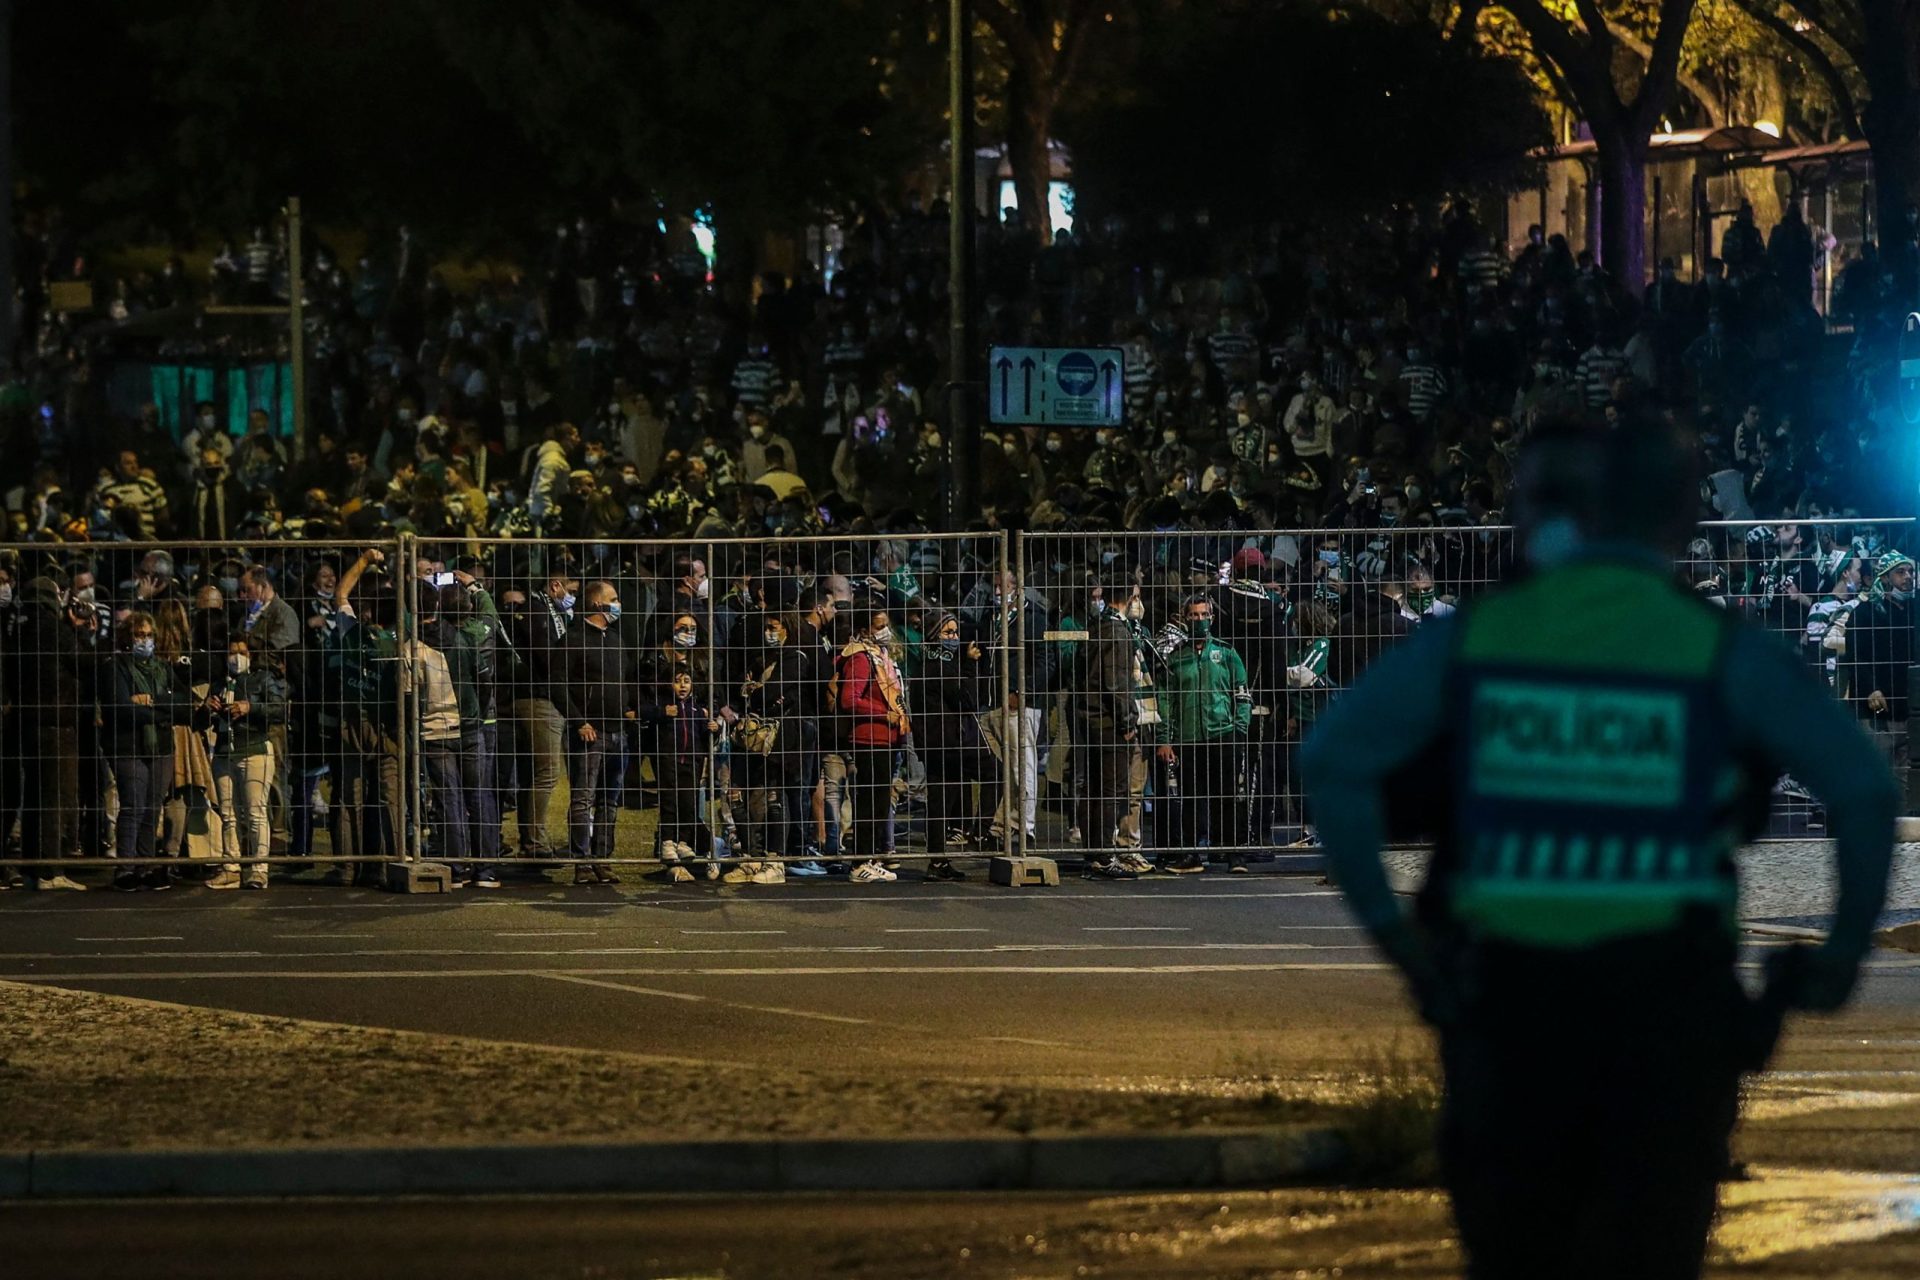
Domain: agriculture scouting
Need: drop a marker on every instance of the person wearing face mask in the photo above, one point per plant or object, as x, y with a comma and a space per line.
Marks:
682, 762
599, 687
205, 435
1309, 419
772, 774
243, 705
761, 440
948, 692
1880, 649
141, 701
1207, 712
535, 628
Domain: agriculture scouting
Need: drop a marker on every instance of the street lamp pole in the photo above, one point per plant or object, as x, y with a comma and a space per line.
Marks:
297, 329
963, 430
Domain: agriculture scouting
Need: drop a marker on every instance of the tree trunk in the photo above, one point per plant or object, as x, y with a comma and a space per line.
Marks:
1623, 208
1029, 128
1891, 121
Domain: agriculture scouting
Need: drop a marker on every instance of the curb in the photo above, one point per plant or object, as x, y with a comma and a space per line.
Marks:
1053, 1162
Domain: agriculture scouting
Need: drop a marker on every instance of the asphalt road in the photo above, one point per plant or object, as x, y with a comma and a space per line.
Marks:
1784, 1228
1195, 975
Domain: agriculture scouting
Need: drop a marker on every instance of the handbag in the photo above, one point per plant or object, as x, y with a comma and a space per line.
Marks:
754, 732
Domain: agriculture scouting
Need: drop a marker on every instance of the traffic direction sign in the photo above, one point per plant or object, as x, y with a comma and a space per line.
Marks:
1056, 386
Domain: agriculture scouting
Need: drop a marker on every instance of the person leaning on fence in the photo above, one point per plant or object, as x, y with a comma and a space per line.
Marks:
141, 701
438, 684
244, 706
1207, 710
769, 757
1881, 640
599, 695
872, 707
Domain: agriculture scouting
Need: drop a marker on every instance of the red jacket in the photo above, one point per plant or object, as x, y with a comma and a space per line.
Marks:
862, 700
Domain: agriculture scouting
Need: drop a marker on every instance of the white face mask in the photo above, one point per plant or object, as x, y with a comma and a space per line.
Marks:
237, 664
883, 635
705, 588
6, 593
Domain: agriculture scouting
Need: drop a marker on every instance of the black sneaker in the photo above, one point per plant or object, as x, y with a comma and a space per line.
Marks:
941, 869
583, 874
1191, 865
1109, 869
157, 878
129, 881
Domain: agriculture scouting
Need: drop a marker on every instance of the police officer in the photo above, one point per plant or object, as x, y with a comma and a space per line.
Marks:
1587, 748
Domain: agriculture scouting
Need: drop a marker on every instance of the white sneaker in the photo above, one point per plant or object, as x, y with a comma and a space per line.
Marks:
770, 873
681, 875
225, 880
669, 851
45, 883
1134, 863
870, 873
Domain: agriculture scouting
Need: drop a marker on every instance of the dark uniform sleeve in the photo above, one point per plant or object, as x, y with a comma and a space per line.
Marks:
1781, 710
1391, 715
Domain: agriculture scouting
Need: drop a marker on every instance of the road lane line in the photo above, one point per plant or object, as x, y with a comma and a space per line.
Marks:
939, 931
817, 971
152, 937
731, 1004
729, 933
551, 933
1132, 928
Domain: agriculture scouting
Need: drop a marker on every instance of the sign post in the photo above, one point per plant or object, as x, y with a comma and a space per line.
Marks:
1056, 386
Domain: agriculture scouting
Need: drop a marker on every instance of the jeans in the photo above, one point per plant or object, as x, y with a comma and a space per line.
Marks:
242, 783
1025, 749
593, 808
446, 767
478, 746
143, 784
49, 798
537, 730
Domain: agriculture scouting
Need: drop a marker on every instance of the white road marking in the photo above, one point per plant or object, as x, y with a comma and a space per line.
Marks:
1004, 948
939, 931
732, 1004
728, 933
324, 937
1132, 928
826, 971
667, 899
154, 937
548, 933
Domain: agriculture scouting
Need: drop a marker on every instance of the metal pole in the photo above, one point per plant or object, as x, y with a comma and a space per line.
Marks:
296, 329
7, 335
963, 433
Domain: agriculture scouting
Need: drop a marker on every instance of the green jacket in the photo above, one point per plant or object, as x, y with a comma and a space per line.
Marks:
1205, 695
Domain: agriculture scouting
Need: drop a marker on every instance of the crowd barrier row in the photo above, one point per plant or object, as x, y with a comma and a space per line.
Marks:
710, 704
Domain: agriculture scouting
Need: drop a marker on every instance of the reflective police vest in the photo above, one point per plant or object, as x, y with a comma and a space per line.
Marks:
1594, 793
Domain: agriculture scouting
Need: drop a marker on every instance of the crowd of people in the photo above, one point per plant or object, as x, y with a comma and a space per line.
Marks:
578, 445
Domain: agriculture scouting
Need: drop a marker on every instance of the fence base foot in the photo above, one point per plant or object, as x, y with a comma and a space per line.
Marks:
419, 877
1021, 873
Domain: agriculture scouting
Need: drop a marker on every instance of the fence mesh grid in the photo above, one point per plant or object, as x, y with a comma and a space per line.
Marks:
759, 708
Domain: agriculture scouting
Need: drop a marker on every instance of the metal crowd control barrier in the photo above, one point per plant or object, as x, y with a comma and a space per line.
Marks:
1154, 736
770, 703
755, 704
202, 703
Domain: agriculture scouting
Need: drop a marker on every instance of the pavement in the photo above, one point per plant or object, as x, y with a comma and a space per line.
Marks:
1781, 1226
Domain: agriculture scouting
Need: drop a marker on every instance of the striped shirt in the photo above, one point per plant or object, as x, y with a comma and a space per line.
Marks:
141, 495
1139, 373
1233, 355
1425, 386
1482, 268
1598, 369
753, 380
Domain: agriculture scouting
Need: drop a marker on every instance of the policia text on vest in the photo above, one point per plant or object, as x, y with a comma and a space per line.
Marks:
1585, 790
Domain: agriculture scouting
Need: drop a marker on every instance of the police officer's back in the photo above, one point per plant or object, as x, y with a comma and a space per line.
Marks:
1586, 749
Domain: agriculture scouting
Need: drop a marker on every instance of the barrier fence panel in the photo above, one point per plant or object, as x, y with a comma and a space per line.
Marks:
197, 709
1830, 590
719, 708
1173, 675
